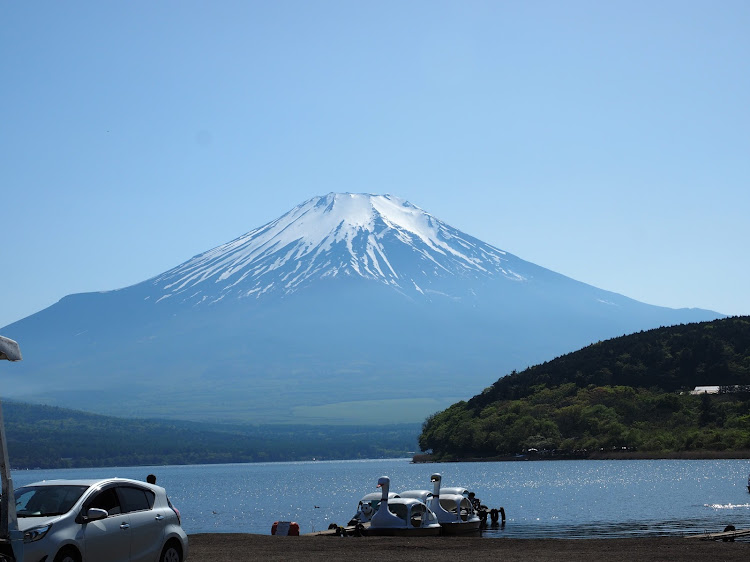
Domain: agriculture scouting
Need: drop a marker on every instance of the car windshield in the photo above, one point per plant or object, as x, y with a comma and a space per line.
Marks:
44, 501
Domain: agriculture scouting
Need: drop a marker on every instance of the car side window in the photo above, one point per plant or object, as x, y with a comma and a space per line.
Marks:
135, 499
107, 500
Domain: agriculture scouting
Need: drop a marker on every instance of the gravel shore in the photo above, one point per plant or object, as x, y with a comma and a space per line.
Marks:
218, 547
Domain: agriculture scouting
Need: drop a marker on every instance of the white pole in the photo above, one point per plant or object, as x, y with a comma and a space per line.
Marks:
8, 520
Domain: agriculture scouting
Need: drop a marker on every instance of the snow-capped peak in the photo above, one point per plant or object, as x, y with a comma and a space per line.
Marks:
378, 237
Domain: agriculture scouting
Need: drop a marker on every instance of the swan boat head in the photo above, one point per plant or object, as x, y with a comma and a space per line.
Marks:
383, 517
436, 479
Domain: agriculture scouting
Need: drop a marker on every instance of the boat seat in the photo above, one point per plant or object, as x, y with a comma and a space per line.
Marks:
398, 510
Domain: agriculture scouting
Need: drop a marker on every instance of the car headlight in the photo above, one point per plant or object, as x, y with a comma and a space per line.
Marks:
36, 533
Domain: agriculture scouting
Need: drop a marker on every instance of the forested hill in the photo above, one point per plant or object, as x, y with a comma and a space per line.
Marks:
674, 358
624, 393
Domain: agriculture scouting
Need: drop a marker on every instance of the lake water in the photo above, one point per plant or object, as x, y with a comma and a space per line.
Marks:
548, 499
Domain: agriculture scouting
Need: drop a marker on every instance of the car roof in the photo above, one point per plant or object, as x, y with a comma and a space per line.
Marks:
93, 482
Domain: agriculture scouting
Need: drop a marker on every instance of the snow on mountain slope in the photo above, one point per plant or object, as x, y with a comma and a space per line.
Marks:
377, 237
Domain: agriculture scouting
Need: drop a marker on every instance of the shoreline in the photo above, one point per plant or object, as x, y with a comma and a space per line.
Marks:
233, 547
598, 456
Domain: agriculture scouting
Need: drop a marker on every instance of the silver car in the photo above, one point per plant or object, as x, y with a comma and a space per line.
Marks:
112, 520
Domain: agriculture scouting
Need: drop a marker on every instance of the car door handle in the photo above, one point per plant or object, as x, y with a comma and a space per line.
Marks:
159, 517
124, 526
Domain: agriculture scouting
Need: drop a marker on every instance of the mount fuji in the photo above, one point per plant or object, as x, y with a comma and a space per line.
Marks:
350, 308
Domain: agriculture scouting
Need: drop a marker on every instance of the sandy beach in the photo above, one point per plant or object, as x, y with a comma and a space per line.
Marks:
217, 547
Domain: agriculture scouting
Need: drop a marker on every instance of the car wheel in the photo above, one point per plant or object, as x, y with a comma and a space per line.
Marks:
171, 553
68, 554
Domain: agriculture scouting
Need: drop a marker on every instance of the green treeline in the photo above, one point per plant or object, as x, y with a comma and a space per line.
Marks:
49, 437
628, 393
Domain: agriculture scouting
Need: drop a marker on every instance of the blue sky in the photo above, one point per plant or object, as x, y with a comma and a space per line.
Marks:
607, 141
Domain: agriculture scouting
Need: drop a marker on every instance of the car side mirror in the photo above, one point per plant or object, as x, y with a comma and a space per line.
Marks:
95, 514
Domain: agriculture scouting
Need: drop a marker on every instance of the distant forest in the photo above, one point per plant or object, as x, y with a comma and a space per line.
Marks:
50, 437
626, 394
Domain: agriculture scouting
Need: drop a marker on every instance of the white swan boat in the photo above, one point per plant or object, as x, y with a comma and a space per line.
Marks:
399, 516
452, 507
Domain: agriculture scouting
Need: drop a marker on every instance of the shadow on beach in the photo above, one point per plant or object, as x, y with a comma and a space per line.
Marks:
231, 547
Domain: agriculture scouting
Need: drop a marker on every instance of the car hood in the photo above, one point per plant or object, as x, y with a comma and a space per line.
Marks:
25, 523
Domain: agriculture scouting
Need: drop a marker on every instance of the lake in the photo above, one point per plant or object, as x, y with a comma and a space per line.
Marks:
544, 499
